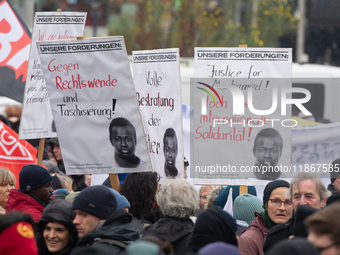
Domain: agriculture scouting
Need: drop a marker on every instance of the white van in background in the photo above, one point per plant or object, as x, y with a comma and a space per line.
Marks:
322, 81
4, 102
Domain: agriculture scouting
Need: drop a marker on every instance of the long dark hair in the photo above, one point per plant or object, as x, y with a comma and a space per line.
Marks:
140, 190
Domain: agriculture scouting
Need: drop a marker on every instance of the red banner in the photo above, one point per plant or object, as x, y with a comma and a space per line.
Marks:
14, 153
15, 44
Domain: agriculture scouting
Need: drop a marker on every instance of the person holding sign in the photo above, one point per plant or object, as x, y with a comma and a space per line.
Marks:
123, 138
170, 150
267, 150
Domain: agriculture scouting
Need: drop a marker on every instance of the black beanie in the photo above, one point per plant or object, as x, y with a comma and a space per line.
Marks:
298, 227
271, 186
96, 200
32, 177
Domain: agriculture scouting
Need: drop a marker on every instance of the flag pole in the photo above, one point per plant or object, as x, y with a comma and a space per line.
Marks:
41, 151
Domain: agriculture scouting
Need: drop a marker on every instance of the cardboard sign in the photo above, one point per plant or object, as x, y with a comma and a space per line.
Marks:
94, 105
36, 119
158, 88
241, 136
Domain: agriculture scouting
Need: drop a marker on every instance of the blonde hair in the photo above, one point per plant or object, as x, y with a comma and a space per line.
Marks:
65, 181
7, 177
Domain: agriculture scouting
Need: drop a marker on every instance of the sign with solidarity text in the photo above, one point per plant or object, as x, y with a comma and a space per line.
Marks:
158, 88
36, 119
94, 105
241, 130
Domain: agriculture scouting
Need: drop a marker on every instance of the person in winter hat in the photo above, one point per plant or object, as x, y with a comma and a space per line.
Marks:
99, 222
244, 210
278, 210
34, 194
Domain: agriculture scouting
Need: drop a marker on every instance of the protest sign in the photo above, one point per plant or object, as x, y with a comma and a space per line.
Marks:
15, 39
158, 88
36, 119
241, 134
94, 105
314, 148
14, 153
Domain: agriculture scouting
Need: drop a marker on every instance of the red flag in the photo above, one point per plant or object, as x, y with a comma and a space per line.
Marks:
14, 153
15, 41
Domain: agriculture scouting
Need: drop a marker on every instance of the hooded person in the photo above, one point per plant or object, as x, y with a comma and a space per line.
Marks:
100, 223
56, 232
34, 194
278, 210
213, 225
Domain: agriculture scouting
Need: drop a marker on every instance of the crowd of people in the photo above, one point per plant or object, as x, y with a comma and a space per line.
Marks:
44, 215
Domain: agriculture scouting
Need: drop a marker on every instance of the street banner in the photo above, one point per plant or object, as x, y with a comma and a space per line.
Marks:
94, 106
158, 88
241, 130
14, 153
36, 119
15, 39
314, 148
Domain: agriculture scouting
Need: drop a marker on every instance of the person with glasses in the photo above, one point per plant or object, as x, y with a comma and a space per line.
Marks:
278, 210
267, 151
306, 189
324, 230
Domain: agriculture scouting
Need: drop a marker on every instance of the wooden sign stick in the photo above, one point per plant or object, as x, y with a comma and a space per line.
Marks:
243, 188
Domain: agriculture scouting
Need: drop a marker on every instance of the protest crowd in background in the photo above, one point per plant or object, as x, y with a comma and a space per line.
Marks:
45, 215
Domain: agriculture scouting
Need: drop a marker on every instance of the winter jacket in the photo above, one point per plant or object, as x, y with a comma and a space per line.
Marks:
60, 211
177, 231
21, 202
252, 239
17, 234
112, 235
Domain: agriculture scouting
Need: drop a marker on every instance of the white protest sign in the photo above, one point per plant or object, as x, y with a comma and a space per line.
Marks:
241, 136
158, 87
36, 119
94, 106
314, 148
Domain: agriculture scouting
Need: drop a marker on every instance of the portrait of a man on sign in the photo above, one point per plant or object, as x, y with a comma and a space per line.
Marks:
123, 139
267, 151
170, 149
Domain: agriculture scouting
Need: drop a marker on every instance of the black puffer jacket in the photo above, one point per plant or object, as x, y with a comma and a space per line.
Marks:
177, 231
113, 235
58, 210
